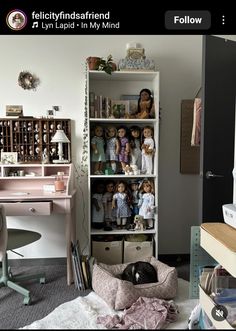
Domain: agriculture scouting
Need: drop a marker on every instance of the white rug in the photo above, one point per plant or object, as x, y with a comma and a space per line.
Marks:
82, 312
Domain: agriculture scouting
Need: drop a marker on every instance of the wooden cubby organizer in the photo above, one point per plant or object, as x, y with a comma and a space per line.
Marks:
31, 138
219, 240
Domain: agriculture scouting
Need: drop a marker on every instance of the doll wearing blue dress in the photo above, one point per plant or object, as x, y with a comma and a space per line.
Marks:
120, 204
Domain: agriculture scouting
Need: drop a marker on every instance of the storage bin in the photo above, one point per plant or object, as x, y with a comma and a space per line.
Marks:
137, 250
108, 252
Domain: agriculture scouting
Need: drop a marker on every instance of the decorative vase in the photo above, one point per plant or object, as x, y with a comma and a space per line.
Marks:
114, 67
92, 62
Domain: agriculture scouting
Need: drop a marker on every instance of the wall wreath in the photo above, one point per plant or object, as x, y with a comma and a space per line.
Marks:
28, 81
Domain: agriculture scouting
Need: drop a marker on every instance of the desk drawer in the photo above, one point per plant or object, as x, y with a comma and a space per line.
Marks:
28, 208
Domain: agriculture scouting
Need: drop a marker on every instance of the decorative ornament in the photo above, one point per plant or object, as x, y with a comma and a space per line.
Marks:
28, 81
136, 59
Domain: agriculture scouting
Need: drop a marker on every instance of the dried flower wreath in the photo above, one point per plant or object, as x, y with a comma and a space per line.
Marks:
28, 81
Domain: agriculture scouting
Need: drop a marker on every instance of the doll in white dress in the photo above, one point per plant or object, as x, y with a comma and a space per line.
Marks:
148, 150
147, 203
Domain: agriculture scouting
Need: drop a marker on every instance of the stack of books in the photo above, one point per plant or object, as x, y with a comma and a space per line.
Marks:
82, 268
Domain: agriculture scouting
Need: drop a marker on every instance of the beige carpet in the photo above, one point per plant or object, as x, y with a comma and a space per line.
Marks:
82, 312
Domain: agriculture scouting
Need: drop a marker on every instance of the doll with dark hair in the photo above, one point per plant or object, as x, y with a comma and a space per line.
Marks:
135, 146
146, 108
97, 205
107, 203
124, 149
135, 196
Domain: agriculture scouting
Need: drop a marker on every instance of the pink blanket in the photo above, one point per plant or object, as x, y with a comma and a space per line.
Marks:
145, 313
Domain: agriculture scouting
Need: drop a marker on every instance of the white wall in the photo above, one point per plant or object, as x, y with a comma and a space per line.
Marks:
59, 61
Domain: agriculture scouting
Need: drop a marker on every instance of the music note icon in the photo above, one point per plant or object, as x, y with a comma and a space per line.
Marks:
35, 25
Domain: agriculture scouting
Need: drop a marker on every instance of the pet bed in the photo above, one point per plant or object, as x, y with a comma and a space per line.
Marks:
121, 294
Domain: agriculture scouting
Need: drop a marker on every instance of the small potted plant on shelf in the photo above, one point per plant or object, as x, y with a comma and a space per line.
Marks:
98, 63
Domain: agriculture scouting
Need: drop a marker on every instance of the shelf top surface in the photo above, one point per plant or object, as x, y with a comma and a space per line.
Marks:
33, 165
222, 232
123, 75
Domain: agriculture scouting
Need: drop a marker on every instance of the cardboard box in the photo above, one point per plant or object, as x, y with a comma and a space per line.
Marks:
135, 251
108, 252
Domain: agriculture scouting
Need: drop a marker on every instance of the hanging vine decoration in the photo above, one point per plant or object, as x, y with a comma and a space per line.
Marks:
84, 161
28, 81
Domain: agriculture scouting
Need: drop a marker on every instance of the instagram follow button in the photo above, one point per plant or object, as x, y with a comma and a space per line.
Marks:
16, 19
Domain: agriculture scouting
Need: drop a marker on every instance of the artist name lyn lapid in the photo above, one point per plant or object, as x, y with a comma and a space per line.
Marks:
82, 25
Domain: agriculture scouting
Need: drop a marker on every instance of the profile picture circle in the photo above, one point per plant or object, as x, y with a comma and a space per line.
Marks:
16, 19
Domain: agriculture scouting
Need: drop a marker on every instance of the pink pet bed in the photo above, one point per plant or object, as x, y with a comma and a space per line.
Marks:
121, 294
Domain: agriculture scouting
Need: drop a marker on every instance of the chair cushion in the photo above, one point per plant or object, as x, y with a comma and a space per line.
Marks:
121, 294
18, 238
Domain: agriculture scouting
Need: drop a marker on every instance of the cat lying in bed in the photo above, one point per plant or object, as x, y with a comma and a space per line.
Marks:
140, 273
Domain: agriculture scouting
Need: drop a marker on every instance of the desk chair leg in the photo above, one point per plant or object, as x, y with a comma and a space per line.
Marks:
10, 281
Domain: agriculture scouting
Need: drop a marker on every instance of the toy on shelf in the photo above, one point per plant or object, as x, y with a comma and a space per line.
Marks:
107, 203
112, 147
97, 205
135, 147
146, 203
147, 150
146, 108
120, 204
140, 223
98, 154
124, 150
135, 196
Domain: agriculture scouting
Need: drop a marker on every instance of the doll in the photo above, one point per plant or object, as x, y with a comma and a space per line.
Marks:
124, 147
120, 204
145, 105
112, 146
146, 203
147, 150
135, 145
97, 205
107, 204
135, 196
98, 154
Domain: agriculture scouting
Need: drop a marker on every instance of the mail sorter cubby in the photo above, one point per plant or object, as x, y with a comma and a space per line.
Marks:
31, 138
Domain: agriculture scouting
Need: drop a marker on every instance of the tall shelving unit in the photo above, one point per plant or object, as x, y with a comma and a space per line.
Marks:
114, 86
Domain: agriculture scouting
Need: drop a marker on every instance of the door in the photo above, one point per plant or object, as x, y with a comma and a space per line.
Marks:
217, 134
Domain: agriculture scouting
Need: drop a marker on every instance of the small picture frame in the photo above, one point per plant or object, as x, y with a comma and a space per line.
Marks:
9, 157
119, 108
14, 110
133, 103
